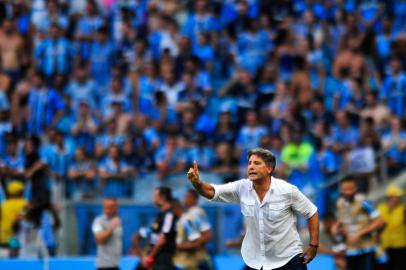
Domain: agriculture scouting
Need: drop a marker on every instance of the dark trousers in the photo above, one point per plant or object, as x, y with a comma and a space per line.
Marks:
365, 261
397, 258
163, 261
296, 263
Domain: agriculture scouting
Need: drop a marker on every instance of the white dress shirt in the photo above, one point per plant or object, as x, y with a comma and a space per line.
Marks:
271, 237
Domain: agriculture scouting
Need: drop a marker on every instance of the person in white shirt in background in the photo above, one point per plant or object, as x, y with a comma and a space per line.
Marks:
269, 206
108, 232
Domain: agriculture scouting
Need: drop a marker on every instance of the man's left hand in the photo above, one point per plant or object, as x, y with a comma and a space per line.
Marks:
309, 254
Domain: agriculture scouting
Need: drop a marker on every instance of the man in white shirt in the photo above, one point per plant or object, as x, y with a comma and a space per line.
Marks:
269, 206
108, 232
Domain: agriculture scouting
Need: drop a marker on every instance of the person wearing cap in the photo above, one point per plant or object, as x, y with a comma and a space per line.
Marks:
393, 237
10, 209
270, 207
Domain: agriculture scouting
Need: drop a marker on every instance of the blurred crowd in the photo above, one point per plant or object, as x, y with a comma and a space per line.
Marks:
95, 94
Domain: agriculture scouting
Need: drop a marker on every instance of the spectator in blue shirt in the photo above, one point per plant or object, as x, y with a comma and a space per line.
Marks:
141, 125
225, 130
83, 88
384, 43
394, 142
44, 105
170, 158
203, 49
87, 27
84, 128
252, 48
13, 162
202, 151
102, 56
115, 175
59, 158
343, 135
242, 88
58, 165
393, 91
115, 95
148, 82
200, 76
81, 176
190, 93
54, 54
250, 134
110, 136
199, 21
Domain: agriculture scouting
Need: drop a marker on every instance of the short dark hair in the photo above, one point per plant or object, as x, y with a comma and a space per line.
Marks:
165, 192
110, 198
265, 155
193, 193
349, 178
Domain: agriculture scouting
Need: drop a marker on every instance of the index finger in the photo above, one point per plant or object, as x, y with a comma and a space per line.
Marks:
195, 168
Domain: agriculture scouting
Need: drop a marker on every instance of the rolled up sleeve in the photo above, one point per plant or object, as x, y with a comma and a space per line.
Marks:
226, 192
301, 204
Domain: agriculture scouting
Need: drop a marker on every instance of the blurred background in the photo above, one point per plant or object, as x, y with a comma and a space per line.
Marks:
136, 90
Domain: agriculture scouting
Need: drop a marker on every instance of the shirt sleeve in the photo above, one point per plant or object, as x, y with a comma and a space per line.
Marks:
301, 204
168, 223
97, 226
226, 192
370, 209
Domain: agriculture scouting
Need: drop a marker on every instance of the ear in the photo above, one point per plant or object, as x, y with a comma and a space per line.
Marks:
270, 170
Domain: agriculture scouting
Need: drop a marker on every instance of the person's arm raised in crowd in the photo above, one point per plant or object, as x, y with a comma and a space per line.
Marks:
203, 188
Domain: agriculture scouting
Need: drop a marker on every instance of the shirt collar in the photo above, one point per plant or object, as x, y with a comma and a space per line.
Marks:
271, 186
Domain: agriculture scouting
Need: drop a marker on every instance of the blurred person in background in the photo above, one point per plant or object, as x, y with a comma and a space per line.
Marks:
200, 149
36, 171
13, 161
360, 221
195, 218
13, 56
55, 54
108, 232
44, 105
394, 143
81, 176
85, 127
170, 158
161, 252
115, 175
10, 210
332, 240
393, 236
393, 89
225, 163
27, 230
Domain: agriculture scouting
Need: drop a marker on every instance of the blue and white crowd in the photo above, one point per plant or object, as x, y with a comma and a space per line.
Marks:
95, 94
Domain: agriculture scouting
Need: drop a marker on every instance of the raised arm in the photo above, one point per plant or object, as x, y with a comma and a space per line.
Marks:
204, 189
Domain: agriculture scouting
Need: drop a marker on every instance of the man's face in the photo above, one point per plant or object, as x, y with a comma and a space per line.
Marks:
156, 198
257, 168
110, 207
348, 189
189, 200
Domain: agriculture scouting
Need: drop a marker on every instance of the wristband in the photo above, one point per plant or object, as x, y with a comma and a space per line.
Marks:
149, 260
312, 245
